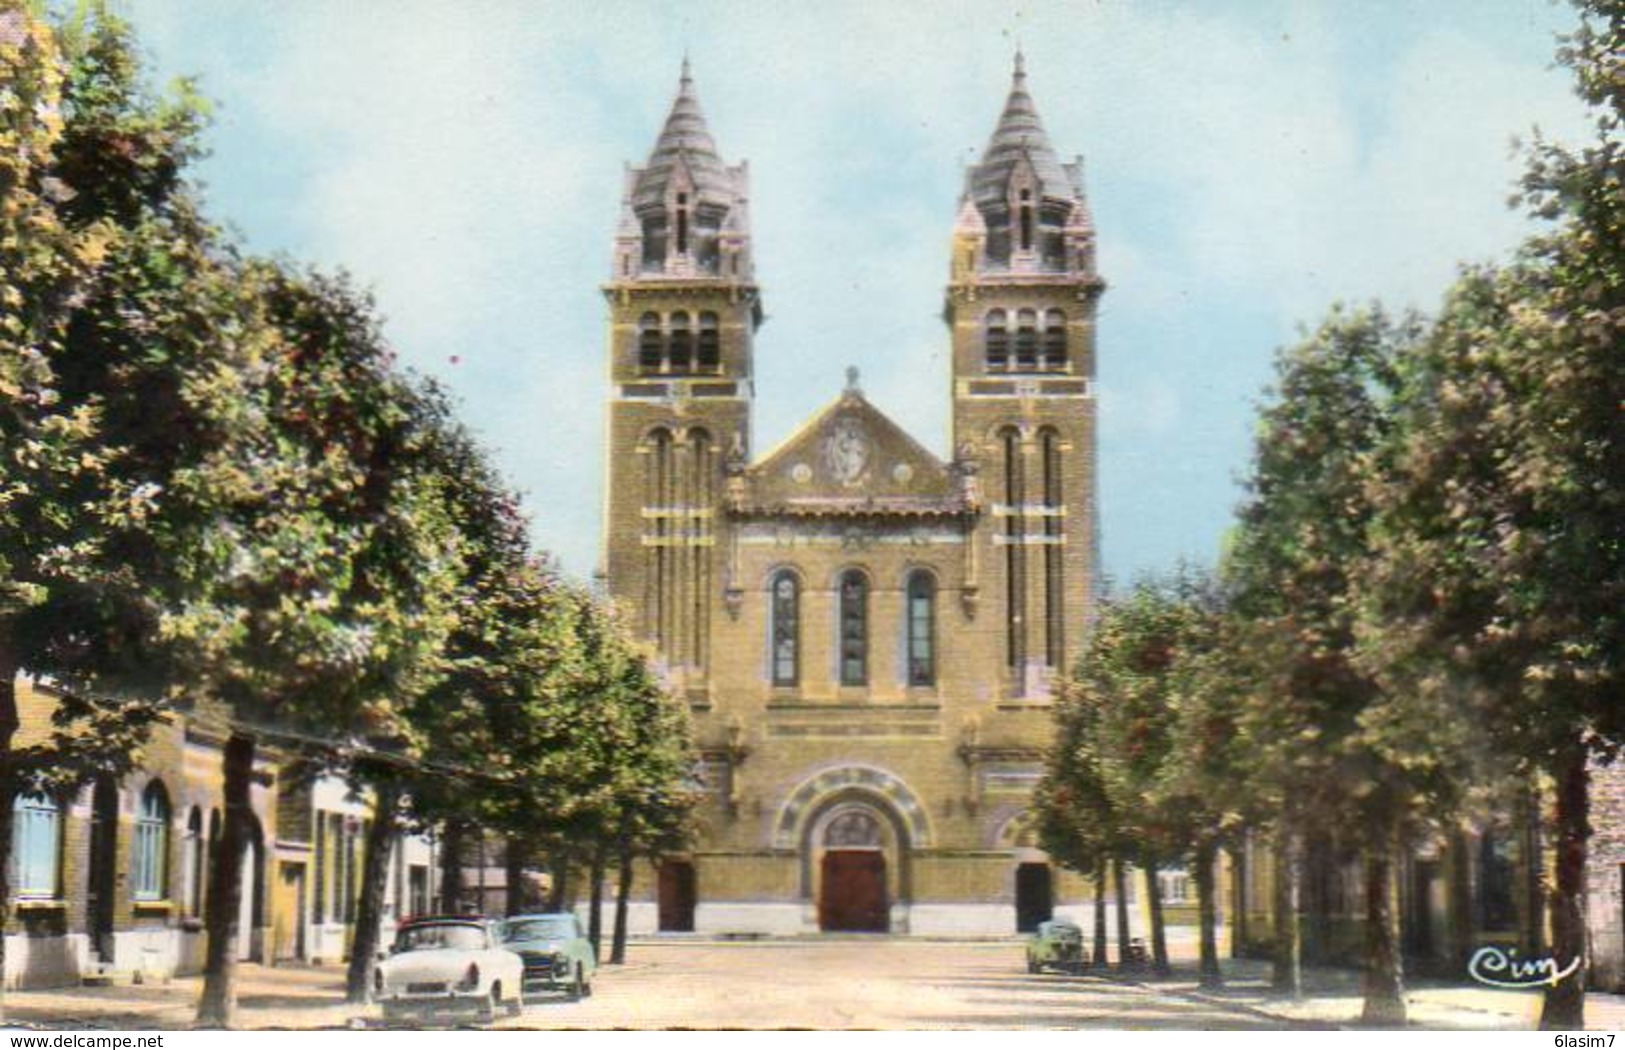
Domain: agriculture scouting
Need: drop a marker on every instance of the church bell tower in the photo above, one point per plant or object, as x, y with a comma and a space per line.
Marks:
683, 312
1020, 305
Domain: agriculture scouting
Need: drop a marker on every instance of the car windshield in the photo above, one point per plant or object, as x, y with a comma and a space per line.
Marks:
460, 936
552, 928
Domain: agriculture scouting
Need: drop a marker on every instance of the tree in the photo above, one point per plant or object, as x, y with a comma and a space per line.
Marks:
1144, 747
1076, 818
1500, 575
1328, 742
309, 583
90, 180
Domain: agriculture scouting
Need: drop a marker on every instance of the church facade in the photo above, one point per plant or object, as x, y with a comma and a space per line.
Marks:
866, 630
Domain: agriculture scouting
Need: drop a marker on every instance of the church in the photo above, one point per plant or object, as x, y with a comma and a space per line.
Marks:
866, 630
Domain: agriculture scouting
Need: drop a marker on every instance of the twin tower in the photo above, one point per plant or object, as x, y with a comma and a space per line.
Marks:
865, 631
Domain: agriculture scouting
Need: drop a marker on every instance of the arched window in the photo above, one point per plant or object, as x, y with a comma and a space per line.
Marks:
682, 223
998, 341
922, 625
1026, 220
659, 495
36, 846
854, 613
1026, 341
193, 863
1015, 553
1054, 571
785, 619
710, 344
682, 343
649, 343
1055, 341
149, 858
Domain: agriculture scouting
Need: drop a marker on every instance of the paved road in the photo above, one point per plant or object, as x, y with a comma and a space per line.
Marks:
867, 984
849, 983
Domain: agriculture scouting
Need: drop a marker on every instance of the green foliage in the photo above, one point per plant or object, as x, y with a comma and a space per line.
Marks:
1143, 758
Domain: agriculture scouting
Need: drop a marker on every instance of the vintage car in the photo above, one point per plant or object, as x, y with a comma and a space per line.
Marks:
448, 963
1056, 945
557, 955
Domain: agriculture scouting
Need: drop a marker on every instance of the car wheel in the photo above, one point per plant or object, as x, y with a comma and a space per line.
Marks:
1032, 967
578, 987
586, 988
516, 1005
488, 1005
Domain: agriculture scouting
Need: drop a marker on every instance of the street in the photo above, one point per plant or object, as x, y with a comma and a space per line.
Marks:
829, 983
833, 983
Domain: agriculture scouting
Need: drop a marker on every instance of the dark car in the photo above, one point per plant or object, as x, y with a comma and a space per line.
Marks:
557, 955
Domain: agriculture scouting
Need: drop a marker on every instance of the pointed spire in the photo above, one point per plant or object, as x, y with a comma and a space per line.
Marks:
685, 139
1019, 136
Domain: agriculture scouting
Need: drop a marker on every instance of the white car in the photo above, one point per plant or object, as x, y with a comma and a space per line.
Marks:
446, 963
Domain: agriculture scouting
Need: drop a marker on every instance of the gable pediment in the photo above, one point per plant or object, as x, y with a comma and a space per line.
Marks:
850, 458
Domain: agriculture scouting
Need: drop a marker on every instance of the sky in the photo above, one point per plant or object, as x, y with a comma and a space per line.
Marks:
1248, 164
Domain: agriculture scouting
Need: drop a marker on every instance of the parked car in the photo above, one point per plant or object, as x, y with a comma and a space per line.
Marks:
445, 963
1057, 945
556, 953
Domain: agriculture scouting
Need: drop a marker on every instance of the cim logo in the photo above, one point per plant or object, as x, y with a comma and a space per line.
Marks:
1501, 968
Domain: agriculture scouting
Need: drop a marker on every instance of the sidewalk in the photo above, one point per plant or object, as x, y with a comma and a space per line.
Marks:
1333, 996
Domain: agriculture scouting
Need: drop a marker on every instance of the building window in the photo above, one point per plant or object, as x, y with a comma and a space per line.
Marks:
1026, 341
1175, 886
854, 614
1026, 220
1054, 567
998, 342
922, 622
36, 846
786, 628
682, 224
649, 343
149, 858
682, 343
1015, 553
193, 863
1055, 341
710, 344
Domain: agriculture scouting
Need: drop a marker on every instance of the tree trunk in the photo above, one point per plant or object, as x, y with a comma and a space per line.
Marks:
1532, 906
1384, 975
451, 867
1564, 1008
1120, 887
1100, 913
513, 865
623, 894
374, 877
559, 898
595, 915
1459, 901
1286, 975
10, 722
1240, 935
1207, 916
217, 1007
1159, 932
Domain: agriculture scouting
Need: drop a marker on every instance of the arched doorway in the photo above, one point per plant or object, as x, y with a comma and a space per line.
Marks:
852, 894
102, 868
676, 896
1035, 896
